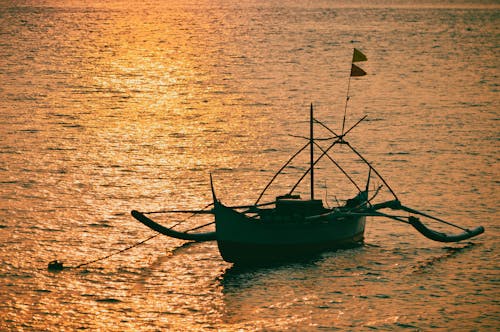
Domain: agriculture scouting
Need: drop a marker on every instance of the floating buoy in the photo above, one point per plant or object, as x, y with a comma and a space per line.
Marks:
55, 266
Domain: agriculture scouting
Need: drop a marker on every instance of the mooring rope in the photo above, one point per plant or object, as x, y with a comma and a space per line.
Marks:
58, 265
117, 252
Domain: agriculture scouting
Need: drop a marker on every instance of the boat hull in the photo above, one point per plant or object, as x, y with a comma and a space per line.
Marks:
248, 241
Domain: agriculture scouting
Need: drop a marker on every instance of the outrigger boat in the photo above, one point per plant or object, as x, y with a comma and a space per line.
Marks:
290, 227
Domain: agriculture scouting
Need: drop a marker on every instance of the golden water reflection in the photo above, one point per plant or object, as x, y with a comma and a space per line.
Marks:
112, 106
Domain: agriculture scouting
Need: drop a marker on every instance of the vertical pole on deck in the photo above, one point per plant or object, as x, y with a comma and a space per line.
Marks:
346, 101
311, 142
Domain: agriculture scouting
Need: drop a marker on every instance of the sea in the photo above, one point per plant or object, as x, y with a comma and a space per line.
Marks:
109, 106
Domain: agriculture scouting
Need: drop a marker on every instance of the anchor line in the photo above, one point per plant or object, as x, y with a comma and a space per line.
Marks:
116, 253
135, 244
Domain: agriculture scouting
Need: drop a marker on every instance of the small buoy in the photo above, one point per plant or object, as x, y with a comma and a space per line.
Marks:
55, 266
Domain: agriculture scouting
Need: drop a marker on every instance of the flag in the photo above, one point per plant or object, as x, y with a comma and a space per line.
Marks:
358, 56
356, 71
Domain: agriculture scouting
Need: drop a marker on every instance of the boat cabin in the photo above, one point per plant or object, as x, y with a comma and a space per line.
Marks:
292, 208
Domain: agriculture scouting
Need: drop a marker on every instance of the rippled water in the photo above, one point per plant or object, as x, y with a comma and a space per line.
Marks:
110, 106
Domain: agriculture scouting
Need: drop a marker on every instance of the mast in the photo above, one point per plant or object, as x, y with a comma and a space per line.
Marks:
311, 142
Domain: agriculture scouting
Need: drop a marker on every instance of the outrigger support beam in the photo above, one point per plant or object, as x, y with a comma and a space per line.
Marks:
419, 226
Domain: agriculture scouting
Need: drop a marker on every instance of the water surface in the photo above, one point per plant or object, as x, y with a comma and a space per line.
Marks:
110, 106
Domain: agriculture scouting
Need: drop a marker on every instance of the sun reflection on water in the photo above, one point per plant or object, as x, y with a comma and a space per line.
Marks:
112, 106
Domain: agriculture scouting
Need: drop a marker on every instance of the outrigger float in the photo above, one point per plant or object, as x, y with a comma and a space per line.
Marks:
290, 227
